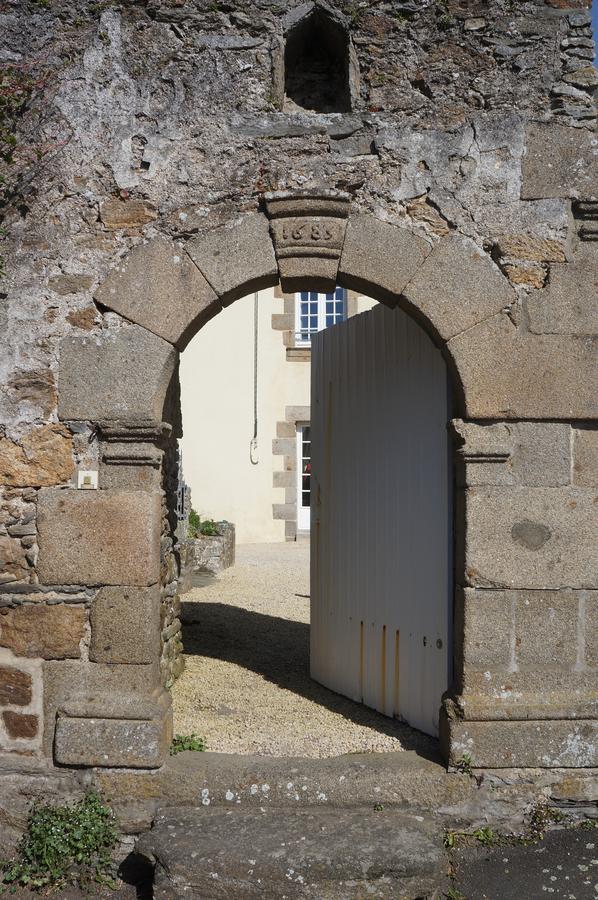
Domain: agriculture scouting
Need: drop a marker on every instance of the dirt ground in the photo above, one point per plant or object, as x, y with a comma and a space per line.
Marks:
246, 687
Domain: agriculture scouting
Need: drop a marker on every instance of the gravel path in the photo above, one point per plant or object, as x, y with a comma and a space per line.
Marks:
246, 686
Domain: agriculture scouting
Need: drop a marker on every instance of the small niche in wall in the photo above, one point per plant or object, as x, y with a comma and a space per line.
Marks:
318, 65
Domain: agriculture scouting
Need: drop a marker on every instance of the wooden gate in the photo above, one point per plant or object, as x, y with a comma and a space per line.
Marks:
381, 518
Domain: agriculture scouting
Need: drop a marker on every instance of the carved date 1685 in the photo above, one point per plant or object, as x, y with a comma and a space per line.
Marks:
308, 232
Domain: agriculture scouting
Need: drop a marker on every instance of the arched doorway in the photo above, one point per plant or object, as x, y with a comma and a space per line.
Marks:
164, 293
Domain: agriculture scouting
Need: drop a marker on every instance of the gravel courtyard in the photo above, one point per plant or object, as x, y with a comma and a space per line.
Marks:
246, 686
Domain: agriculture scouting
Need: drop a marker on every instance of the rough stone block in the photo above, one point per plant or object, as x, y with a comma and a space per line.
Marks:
533, 454
285, 511
319, 852
70, 284
569, 304
125, 625
237, 260
20, 726
42, 457
49, 632
522, 537
589, 619
542, 744
13, 559
118, 214
457, 287
380, 258
509, 374
97, 690
99, 537
134, 743
487, 628
15, 687
541, 454
559, 162
283, 446
516, 632
284, 479
157, 286
546, 629
535, 249
120, 375
585, 457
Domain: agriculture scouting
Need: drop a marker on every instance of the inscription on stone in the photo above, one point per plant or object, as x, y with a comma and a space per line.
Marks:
301, 235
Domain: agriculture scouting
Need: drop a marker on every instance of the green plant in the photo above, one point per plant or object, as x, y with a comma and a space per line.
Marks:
209, 528
194, 523
464, 764
65, 843
378, 807
181, 742
540, 818
484, 836
454, 894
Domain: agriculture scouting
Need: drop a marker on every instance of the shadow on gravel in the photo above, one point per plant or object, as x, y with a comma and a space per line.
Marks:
278, 649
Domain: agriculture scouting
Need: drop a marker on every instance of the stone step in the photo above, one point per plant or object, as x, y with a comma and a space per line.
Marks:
352, 780
325, 853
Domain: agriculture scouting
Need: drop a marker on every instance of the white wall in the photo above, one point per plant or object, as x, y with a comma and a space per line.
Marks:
217, 405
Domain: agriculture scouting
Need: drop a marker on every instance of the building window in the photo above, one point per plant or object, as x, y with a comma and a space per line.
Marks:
314, 312
303, 476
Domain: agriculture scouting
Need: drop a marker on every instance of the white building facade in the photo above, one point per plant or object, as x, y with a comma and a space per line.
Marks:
246, 439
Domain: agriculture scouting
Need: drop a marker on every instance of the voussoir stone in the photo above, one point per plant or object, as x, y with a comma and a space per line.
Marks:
509, 374
158, 286
457, 287
236, 259
379, 257
123, 374
125, 625
99, 537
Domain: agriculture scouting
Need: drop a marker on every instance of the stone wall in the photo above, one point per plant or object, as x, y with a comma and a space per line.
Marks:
461, 184
213, 553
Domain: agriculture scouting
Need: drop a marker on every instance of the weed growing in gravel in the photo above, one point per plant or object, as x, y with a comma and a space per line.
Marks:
454, 894
191, 741
62, 844
485, 836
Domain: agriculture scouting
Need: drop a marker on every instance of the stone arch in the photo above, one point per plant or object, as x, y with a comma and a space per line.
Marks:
123, 381
167, 291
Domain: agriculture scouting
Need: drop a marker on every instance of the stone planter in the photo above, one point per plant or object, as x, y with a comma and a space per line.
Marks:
213, 553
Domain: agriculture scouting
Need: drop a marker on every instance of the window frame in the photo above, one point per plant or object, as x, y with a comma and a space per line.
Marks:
321, 299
